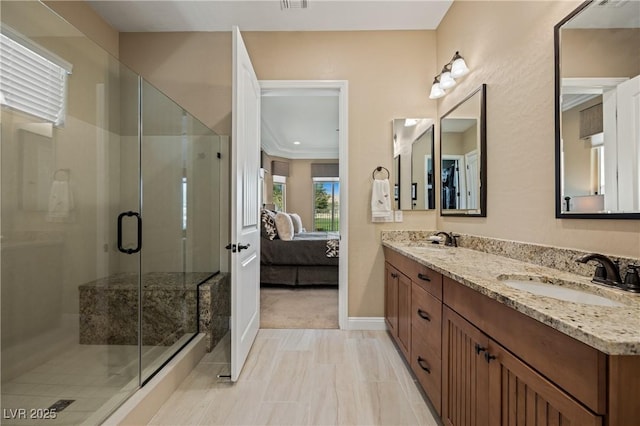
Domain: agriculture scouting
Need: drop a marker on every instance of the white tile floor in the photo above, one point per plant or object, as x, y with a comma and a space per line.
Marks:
96, 377
303, 377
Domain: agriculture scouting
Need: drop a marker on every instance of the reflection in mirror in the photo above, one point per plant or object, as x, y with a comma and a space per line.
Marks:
413, 175
597, 104
463, 157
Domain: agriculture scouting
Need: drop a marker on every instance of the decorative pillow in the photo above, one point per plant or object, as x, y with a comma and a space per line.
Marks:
284, 225
268, 229
297, 223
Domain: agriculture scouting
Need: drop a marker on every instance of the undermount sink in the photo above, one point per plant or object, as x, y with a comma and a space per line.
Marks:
433, 247
536, 286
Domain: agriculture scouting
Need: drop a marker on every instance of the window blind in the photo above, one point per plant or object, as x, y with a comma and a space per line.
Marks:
328, 170
280, 168
31, 83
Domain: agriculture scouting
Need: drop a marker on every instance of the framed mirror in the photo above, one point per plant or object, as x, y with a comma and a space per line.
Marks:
597, 125
413, 177
463, 157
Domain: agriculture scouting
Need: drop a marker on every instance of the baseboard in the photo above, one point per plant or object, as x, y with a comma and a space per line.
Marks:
367, 323
143, 405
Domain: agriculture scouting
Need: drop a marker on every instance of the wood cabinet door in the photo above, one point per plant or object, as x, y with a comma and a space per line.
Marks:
465, 372
520, 396
391, 298
404, 314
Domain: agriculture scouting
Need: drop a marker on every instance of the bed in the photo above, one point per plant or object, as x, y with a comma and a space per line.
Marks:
310, 258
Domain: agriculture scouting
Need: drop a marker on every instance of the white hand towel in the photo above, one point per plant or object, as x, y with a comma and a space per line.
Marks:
60, 202
381, 199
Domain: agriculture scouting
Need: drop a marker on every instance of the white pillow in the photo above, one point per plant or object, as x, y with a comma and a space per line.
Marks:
297, 222
284, 225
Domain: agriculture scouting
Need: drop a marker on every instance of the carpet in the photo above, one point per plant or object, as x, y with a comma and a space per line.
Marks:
298, 307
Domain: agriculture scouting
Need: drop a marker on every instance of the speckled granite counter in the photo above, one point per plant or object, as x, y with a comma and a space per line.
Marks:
612, 330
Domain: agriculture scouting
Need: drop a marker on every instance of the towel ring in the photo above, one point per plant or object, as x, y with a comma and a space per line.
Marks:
62, 175
379, 169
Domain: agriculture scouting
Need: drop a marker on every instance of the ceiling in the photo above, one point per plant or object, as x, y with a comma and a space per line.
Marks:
268, 15
309, 118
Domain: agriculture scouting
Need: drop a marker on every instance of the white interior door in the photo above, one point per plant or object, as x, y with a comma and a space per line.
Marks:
245, 225
472, 173
629, 145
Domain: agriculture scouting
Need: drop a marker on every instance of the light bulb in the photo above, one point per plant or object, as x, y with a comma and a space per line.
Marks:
446, 81
458, 66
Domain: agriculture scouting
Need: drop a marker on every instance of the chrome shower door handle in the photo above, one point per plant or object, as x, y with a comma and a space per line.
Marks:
121, 216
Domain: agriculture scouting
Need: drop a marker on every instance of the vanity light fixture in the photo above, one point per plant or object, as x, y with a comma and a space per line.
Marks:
456, 68
296, 142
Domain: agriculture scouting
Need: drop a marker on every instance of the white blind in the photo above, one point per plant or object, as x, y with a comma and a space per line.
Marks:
31, 83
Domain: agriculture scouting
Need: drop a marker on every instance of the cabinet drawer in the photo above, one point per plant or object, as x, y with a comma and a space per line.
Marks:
425, 277
428, 369
426, 319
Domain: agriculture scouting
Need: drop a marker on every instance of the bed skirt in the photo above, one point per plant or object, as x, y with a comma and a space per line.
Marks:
299, 275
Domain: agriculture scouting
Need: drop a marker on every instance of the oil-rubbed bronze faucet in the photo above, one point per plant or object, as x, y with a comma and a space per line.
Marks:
607, 272
449, 238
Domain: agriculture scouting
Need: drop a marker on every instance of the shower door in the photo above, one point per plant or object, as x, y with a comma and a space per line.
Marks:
178, 211
109, 222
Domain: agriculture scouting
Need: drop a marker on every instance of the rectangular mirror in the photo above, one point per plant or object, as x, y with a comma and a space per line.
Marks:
463, 159
412, 177
597, 83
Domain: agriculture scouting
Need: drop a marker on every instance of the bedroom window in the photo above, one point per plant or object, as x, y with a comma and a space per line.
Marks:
326, 204
280, 193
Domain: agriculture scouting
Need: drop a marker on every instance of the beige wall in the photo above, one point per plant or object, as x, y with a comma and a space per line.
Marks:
389, 76
509, 46
617, 51
194, 69
84, 18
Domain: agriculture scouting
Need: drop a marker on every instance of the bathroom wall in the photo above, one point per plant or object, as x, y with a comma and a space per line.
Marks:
618, 53
389, 73
84, 18
509, 46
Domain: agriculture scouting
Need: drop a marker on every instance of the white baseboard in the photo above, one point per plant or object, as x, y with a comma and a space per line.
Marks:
367, 323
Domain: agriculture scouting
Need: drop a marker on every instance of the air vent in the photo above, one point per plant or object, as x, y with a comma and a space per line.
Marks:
294, 4
612, 3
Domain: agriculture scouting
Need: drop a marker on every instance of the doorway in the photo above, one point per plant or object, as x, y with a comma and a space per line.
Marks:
336, 207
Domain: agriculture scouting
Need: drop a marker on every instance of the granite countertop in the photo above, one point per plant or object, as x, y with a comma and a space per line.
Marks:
612, 330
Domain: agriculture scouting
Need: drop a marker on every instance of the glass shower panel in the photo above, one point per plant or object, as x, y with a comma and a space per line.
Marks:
178, 155
69, 297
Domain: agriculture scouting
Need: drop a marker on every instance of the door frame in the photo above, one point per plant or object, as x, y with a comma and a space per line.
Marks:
342, 87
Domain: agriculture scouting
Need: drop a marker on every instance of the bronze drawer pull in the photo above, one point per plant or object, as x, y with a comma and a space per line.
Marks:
423, 366
422, 314
394, 275
423, 277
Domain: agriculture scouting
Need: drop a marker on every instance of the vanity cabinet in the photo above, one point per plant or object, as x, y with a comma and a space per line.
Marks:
484, 384
397, 306
483, 363
413, 313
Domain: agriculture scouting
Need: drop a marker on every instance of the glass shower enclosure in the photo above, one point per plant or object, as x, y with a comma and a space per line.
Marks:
109, 223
